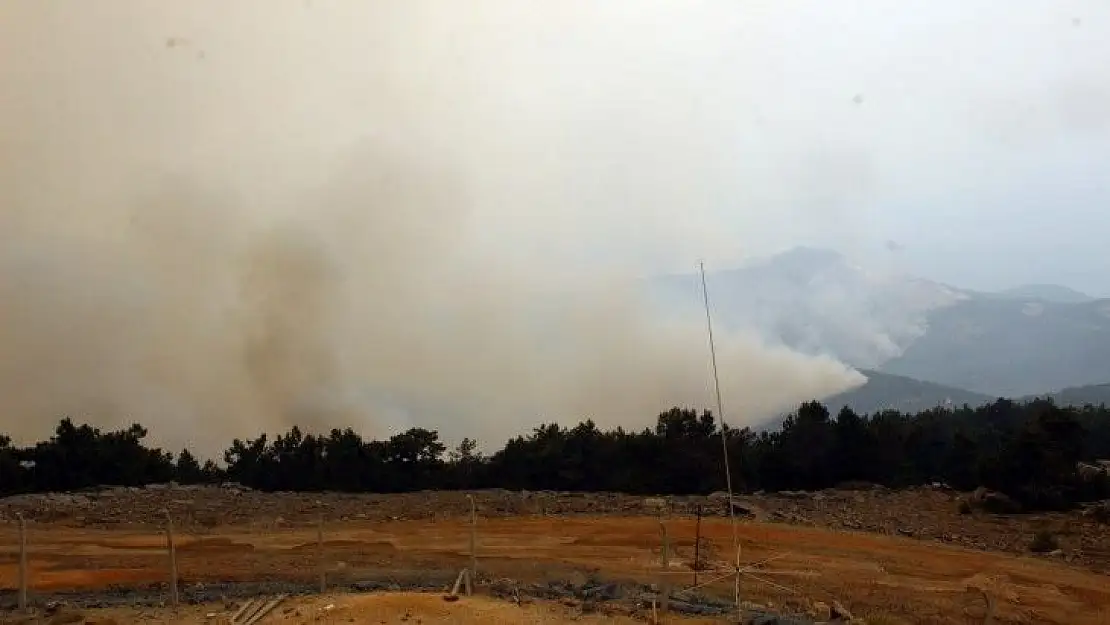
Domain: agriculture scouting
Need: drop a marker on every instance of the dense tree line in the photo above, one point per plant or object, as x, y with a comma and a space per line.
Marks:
1027, 450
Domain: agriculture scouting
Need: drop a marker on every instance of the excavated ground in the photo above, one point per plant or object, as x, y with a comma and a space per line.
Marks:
107, 551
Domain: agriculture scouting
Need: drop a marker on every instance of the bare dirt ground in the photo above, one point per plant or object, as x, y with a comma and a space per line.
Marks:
102, 544
403, 607
928, 514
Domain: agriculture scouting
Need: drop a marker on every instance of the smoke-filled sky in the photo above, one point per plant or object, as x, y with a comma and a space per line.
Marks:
217, 217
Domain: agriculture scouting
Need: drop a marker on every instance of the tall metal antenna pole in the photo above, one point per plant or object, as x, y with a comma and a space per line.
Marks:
720, 406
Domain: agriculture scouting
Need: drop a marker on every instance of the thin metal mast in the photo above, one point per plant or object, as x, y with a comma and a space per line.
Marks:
720, 405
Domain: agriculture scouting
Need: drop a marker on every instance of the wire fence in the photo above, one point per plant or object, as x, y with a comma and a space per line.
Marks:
250, 566
169, 566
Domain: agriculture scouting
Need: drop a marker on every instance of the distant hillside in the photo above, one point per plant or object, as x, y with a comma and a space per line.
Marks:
1011, 348
1094, 394
815, 301
1013, 343
1047, 293
883, 391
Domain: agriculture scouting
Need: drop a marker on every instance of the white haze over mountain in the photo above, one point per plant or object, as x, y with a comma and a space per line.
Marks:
220, 218
1022, 341
817, 301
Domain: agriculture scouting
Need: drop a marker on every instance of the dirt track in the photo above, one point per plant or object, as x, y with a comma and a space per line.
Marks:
869, 574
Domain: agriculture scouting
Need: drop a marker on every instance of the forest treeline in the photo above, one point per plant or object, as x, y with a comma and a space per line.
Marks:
1028, 450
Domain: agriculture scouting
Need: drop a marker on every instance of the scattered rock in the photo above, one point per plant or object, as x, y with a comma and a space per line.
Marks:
748, 509
1099, 513
820, 611
794, 494
993, 502
776, 619
748, 606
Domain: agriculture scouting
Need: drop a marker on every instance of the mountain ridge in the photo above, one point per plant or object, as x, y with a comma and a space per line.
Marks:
1015, 342
1046, 292
884, 391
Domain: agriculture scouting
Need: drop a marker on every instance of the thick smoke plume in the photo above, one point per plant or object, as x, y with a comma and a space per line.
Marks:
217, 219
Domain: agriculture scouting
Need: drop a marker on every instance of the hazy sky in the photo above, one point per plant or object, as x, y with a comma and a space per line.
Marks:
988, 124
252, 207
973, 133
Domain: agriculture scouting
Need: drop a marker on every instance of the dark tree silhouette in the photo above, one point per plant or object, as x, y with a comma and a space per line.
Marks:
1027, 450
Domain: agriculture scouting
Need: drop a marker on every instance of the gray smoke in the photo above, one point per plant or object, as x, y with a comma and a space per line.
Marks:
217, 219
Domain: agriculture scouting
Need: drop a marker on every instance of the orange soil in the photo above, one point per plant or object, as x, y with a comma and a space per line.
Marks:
870, 574
415, 608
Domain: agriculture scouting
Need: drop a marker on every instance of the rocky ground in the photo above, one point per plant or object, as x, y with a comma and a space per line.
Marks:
931, 514
586, 597
871, 551
294, 607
